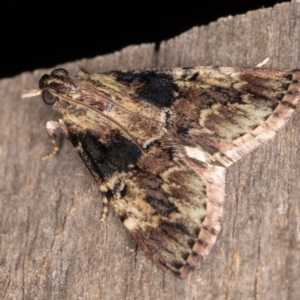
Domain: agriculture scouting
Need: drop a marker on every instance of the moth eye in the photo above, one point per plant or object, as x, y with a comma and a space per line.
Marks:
48, 98
59, 71
43, 80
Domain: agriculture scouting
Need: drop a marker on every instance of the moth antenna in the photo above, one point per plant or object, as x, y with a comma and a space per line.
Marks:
31, 93
264, 62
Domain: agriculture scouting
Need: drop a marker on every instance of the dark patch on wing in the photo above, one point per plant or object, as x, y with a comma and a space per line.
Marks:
167, 117
211, 149
122, 218
197, 230
183, 131
175, 272
185, 255
108, 194
194, 76
176, 265
188, 75
157, 88
227, 96
123, 192
179, 227
197, 256
191, 243
285, 86
201, 164
290, 76
162, 206
289, 104
173, 235
106, 159
202, 243
210, 230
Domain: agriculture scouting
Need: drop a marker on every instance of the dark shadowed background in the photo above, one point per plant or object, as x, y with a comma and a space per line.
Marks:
46, 34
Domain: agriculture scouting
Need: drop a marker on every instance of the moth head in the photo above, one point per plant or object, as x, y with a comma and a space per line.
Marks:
57, 84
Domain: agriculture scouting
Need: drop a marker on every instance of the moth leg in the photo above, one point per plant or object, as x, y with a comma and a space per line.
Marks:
105, 208
51, 126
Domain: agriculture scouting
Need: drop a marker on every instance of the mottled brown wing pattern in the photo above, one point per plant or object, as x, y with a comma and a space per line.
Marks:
158, 143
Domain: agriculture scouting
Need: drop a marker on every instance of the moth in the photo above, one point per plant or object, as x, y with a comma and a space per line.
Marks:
158, 143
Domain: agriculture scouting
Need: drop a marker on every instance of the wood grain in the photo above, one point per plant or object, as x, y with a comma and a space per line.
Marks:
52, 243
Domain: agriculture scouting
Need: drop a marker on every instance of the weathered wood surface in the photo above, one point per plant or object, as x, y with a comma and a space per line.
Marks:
52, 243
